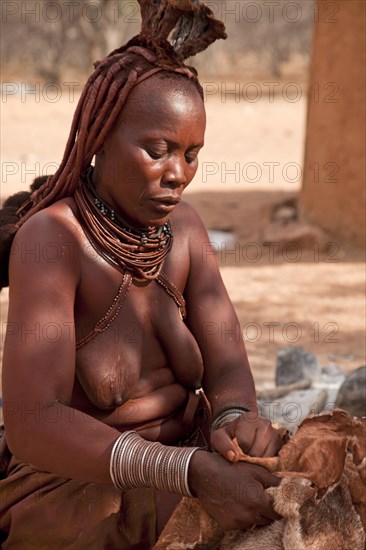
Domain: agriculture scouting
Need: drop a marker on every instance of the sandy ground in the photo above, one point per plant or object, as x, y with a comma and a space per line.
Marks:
251, 161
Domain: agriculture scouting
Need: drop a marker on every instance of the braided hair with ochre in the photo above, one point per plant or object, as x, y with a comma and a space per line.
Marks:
191, 28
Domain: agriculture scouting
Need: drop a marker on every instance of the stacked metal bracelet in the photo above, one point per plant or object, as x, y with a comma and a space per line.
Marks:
227, 416
136, 462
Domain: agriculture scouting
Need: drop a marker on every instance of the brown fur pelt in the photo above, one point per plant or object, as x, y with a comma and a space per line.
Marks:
321, 498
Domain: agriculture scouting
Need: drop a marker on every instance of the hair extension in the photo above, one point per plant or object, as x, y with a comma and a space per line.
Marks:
192, 28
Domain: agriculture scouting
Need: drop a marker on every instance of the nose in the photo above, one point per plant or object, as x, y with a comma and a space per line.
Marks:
175, 172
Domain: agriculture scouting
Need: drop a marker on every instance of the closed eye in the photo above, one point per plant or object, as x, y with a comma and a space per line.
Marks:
192, 154
155, 154
191, 158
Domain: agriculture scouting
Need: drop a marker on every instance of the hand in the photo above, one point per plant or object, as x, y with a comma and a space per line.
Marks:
233, 494
255, 437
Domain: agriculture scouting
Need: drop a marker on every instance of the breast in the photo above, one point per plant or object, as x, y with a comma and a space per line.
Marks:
147, 335
108, 370
181, 349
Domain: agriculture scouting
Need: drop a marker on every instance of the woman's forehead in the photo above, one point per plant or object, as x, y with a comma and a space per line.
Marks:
159, 102
162, 88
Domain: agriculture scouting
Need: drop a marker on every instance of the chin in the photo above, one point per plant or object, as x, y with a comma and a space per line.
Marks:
153, 217
157, 222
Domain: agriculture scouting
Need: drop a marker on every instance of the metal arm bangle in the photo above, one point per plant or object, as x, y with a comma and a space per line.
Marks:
226, 416
136, 462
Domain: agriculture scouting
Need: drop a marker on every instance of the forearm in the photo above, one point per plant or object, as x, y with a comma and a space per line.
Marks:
59, 439
74, 445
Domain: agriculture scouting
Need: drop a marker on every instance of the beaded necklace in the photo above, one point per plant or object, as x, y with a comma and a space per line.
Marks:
141, 252
137, 253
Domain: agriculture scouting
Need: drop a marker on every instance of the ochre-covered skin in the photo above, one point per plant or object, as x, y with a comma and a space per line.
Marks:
141, 368
159, 360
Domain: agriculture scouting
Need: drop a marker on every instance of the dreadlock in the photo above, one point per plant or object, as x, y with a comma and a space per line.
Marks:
191, 27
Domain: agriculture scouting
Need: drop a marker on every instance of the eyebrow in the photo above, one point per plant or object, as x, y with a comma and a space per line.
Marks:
197, 145
172, 142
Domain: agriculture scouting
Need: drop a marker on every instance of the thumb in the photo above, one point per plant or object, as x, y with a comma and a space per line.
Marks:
222, 443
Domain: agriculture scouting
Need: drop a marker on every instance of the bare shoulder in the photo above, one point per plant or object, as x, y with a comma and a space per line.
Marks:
51, 238
187, 219
204, 275
57, 221
185, 212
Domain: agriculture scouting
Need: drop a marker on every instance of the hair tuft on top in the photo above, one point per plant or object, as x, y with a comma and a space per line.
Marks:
179, 28
172, 31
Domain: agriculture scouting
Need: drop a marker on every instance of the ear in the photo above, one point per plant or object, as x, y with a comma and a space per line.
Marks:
291, 494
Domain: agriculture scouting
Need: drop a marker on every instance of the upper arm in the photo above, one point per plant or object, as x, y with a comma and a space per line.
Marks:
39, 351
210, 311
213, 322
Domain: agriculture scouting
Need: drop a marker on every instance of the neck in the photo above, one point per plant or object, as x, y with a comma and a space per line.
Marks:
109, 212
138, 251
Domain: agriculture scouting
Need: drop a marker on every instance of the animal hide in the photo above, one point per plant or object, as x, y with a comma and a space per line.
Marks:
321, 498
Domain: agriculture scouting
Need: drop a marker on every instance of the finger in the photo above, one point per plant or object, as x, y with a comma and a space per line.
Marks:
264, 435
265, 478
274, 446
246, 434
223, 444
260, 503
267, 511
259, 446
261, 521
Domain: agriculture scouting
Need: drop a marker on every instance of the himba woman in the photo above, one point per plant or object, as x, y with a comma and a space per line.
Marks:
106, 349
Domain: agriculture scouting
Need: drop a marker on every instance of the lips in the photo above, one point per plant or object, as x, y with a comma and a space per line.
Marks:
165, 203
168, 199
